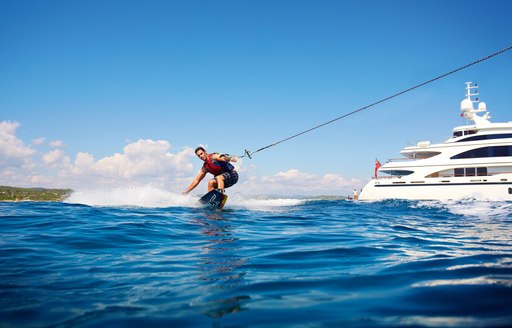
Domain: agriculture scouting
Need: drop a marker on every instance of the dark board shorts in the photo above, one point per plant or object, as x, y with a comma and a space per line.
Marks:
230, 178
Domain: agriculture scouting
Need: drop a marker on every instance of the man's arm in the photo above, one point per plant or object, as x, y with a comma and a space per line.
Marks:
196, 181
224, 158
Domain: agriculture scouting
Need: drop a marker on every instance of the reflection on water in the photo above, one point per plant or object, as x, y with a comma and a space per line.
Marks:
219, 266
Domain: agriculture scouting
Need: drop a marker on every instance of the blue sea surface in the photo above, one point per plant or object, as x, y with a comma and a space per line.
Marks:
265, 263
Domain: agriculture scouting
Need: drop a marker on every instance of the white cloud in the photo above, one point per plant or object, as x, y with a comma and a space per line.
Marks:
83, 163
56, 158
13, 152
57, 144
38, 141
295, 182
145, 158
39, 180
144, 162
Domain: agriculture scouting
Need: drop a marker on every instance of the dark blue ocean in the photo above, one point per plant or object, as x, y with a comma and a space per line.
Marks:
257, 263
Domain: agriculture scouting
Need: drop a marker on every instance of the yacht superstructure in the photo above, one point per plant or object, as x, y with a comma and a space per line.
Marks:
476, 162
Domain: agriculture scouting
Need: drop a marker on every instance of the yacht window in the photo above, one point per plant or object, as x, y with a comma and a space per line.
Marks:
421, 155
459, 172
397, 172
481, 171
470, 172
465, 133
425, 154
502, 151
487, 137
496, 151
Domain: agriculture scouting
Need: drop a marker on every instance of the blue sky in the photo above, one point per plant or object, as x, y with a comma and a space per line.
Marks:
82, 80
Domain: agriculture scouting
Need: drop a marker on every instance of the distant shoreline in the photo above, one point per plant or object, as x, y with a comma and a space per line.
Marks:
10, 194
16, 194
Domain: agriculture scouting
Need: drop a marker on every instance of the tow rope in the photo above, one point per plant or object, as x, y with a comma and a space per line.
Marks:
249, 154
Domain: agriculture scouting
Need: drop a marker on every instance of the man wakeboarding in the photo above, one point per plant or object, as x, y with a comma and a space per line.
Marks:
224, 174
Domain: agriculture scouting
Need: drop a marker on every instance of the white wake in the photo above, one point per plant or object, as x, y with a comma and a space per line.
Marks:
147, 196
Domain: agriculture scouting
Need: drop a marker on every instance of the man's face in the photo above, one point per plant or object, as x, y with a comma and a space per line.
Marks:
201, 154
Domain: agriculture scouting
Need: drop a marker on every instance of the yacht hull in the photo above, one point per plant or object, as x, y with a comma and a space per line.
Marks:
440, 189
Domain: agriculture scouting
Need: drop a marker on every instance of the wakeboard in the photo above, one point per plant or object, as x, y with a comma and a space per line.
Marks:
213, 200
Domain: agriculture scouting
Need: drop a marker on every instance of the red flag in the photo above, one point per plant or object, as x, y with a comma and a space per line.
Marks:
377, 165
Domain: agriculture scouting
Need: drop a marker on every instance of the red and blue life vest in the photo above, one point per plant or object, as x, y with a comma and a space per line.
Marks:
216, 167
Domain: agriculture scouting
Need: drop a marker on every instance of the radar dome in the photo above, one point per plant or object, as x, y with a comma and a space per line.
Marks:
482, 106
466, 105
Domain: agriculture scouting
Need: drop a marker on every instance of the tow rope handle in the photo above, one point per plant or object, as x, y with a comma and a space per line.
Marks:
248, 154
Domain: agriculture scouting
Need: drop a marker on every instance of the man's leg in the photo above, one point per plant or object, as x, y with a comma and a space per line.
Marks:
220, 182
212, 184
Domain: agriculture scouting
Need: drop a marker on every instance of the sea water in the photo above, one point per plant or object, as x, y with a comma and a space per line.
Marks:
147, 258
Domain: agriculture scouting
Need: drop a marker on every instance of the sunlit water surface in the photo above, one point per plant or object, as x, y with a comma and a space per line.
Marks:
165, 262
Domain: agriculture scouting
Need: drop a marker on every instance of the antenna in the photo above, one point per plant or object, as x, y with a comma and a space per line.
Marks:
467, 106
469, 94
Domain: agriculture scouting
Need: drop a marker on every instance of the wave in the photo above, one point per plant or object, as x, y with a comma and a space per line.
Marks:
263, 203
147, 196
143, 196
472, 207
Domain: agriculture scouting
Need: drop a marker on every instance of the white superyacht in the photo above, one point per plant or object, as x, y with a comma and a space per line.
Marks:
476, 162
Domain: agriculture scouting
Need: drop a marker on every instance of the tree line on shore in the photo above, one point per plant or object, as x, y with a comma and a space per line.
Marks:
15, 194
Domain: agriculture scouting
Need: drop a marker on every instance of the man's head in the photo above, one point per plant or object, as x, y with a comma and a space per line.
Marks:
201, 153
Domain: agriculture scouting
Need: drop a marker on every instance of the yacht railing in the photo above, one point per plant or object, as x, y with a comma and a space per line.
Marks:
446, 176
404, 159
